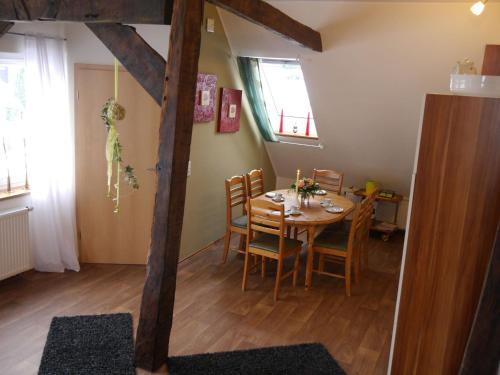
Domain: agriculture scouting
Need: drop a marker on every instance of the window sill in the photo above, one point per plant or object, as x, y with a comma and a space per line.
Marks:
290, 135
14, 194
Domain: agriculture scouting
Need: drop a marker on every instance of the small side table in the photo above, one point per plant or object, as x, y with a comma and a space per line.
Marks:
387, 229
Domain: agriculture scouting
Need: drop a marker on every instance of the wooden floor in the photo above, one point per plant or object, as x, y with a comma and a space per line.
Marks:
211, 311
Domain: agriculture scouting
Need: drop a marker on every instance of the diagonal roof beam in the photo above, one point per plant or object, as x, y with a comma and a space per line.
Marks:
264, 14
123, 11
5, 26
138, 57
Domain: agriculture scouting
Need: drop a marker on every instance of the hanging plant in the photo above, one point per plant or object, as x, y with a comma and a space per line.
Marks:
112, 112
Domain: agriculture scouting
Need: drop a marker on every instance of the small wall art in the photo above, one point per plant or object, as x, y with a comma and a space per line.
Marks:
230, 110
204, 109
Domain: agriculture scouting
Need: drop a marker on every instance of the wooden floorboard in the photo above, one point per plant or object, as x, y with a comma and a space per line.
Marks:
211, 311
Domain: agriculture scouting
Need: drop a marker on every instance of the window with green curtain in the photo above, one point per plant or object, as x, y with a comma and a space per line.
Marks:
250, 74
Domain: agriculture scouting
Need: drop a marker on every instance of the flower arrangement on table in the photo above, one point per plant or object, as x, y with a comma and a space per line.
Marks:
305, 187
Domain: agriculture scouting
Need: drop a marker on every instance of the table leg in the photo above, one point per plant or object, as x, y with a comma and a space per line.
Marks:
396, 211
311, 230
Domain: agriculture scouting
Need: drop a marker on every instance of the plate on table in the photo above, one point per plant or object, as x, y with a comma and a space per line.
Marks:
287, 213
271, 194
293, 213
321, 192
278, 200
335, 210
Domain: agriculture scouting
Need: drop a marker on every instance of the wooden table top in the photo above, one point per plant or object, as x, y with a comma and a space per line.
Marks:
314, 214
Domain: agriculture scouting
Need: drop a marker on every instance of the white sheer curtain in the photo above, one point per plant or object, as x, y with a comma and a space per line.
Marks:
50, 145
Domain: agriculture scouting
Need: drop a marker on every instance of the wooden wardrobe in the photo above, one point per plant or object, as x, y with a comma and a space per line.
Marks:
454, 215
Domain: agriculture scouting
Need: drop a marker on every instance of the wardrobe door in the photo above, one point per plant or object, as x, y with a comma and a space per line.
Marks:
455, 211
105, 236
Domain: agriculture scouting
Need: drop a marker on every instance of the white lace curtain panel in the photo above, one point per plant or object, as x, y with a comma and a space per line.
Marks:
50, 147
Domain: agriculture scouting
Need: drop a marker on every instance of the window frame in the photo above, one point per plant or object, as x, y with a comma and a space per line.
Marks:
284, 136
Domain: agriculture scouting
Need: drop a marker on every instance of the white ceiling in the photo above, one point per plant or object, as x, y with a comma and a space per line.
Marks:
367, 88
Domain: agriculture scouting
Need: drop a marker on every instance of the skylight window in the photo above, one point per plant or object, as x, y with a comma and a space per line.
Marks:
286, 98
13, 173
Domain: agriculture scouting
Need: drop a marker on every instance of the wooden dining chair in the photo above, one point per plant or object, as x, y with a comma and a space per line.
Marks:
329, 180
255, 183
236, 195
344, 246
367, 217
266, 238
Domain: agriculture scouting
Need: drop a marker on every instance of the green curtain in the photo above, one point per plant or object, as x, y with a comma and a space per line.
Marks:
250, 74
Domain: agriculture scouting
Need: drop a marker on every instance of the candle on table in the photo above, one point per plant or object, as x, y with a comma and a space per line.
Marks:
297, 181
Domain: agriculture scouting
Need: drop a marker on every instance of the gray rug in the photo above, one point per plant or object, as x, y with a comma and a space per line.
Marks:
304, 359
103, 345
97, 345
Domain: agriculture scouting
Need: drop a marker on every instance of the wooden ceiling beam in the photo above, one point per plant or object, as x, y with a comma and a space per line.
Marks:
157, 306
121, 11
267, 16
136, 55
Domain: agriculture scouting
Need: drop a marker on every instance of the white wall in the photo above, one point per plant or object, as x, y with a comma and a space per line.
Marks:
14, 44
366, 89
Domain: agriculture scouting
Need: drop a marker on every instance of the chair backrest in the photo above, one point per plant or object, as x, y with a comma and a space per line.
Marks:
369, 208
361, 222
329, 180
255, 183
236, 194
266, 217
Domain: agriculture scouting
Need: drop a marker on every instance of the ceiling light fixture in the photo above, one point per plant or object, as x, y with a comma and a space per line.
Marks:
478, 7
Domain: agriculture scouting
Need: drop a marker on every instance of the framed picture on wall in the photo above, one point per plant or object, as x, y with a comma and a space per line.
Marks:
204, 109
229, 111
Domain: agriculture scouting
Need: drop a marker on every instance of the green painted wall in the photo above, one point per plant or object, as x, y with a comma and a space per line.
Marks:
215, 157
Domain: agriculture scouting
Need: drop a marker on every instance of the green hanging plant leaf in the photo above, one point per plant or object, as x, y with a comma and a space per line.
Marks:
131, 178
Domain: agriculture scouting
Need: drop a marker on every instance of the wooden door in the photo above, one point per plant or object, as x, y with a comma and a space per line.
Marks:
455, 211
106, 237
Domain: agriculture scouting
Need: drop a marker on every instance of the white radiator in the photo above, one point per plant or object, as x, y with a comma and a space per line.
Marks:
15, 253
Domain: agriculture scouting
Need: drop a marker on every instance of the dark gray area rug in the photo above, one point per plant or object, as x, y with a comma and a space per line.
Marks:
97, 345
104, 345
304, 359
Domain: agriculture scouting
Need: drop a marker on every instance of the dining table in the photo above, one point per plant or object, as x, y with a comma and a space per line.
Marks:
312, 216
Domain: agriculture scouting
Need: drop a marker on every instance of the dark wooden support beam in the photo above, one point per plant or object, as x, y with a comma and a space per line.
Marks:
4, 27
138, 57
121, 11
155, 322
264, 14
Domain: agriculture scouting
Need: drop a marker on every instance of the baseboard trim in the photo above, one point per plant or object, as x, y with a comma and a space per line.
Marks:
201, 250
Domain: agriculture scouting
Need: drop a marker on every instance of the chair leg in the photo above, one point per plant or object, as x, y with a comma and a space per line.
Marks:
357, 265
227, 240
348, 277
242, 242
295, 233
365, 256
277, 285
321, 266
255, 262
296, 268
245, 271
263, 267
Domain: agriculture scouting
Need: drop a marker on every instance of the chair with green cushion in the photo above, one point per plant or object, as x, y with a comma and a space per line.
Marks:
266, 237
236, 195
345, 245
